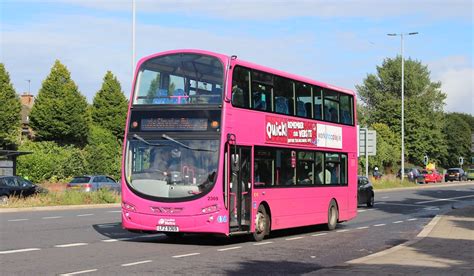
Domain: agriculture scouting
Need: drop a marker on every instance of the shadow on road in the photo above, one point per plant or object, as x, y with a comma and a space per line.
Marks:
113, 230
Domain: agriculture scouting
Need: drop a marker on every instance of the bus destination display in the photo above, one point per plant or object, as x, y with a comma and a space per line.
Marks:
174, 124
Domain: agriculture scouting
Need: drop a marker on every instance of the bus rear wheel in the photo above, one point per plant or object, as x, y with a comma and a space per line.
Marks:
262, 224
333, 215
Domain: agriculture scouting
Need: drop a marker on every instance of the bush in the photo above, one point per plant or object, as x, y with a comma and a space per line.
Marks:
50, 162
64, 198
103, 152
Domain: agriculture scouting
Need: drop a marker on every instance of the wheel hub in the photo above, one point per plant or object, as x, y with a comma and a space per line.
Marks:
259, 223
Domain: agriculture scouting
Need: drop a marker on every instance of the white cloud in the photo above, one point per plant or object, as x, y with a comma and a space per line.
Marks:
95, 45
88, 49
459, 86
279, 9
457, 81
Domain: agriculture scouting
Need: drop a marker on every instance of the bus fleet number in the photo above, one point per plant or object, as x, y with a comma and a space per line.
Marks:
212, 198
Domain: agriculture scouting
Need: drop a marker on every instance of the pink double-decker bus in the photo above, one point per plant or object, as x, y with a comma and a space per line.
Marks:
214, 144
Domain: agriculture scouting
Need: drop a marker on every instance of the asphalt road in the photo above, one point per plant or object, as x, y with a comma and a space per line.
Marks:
91, 241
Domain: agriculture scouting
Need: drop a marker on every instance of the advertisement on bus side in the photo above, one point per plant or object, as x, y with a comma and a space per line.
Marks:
299, 132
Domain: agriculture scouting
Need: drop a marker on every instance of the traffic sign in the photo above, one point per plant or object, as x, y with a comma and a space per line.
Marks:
371, 145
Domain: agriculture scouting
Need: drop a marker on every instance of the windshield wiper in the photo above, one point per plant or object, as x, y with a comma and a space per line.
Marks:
185, 146
146, 142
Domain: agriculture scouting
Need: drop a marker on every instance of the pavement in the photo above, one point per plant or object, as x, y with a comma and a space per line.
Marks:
444, 247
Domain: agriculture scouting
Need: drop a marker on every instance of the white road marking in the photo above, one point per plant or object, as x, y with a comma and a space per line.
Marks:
412, 219
319, 234
262, 243
78, 272
119, 239
343, 230
118, 211
137, 263
229, 248
17, 219
362, 227
186, 255
107, 225
51, 217
70, 245
431, 208
384, 197
397, 204
443, 199
295, 238
360, 211
19, 250
398, 221
378, 225
85, 215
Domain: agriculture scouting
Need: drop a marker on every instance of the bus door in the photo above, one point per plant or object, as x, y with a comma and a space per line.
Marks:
239, 184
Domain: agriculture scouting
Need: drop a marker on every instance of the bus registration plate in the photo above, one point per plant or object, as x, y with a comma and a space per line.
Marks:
167, 228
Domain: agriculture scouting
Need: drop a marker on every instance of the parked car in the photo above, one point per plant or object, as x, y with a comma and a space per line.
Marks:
470, 174
456, 174
17, 186
89, 183
412, 174
430, 176
365, 191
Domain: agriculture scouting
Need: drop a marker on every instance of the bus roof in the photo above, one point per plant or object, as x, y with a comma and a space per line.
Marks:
225, 58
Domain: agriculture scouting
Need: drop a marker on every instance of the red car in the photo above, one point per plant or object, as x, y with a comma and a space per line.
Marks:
428, 176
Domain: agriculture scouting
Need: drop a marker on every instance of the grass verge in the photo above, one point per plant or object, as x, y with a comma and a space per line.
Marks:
63, 198
389, 183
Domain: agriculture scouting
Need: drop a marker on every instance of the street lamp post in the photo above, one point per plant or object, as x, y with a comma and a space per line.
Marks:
402, 171
133, 37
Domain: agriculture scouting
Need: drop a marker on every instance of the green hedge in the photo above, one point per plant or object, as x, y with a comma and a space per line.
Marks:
50, 162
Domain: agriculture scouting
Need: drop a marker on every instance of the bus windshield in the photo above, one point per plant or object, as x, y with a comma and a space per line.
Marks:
180, 79
166, 169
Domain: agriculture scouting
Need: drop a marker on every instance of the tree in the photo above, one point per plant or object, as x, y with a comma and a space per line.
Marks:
424, 101
468, 118
60, 111
458, 139
50, 162
10, 107
388, 149
103, 152
109, 108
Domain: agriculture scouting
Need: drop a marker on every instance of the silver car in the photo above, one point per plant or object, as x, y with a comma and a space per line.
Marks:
89, 183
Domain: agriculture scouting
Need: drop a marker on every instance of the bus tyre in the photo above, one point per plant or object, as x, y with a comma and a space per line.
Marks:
333, 215
262, 224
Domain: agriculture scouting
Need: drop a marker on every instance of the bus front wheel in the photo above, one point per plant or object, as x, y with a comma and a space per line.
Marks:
262, 224
333, 215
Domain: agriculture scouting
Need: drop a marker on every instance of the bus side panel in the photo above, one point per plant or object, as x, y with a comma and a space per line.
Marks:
300, 206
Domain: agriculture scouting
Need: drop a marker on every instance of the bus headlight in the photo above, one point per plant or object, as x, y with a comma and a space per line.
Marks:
209, 209
128, 206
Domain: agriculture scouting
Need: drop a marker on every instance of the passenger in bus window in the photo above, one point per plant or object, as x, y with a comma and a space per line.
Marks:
237, 96
308, 180
321, 177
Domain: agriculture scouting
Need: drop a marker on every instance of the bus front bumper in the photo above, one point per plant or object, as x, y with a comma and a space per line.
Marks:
215, 223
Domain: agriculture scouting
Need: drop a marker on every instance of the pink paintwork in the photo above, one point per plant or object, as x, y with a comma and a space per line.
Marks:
289, 207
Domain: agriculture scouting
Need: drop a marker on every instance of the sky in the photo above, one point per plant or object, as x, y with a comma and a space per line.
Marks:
337, 42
